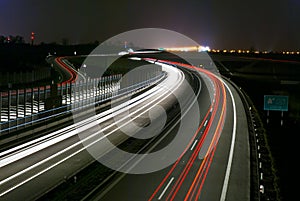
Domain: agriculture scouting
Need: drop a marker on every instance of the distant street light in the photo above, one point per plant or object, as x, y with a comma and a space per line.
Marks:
84, 67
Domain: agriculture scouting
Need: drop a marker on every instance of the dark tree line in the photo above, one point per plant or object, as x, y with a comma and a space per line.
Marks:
12, 39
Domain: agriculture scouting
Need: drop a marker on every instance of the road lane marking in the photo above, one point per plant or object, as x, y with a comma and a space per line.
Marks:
165, 189
72, 146
228, 169
194, 145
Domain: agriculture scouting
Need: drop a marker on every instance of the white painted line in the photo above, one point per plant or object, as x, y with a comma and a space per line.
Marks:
194, 145
72, 146
59, 153
165, 189
228, 169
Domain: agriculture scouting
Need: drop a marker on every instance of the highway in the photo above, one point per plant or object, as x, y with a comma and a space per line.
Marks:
203, 145
215, 163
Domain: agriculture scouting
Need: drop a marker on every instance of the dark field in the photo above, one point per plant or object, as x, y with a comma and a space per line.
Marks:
272, 76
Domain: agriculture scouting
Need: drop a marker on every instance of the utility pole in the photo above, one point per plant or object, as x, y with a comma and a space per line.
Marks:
32, 37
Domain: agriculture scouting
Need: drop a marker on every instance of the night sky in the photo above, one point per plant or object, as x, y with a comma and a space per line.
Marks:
266, 25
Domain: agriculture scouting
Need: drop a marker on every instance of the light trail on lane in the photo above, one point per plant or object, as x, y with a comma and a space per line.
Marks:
174, 124
194, 190
204, 167
11, 158
21, 151
192, 159
72, 72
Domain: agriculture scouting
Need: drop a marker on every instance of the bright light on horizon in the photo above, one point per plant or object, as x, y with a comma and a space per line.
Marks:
188, 49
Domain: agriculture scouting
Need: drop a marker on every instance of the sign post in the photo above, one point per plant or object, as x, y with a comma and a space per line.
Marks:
276, 103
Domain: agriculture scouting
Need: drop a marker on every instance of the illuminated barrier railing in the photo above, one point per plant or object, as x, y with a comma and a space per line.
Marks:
23, 108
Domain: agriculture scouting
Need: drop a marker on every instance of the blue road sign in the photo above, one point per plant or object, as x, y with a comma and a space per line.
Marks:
275, 102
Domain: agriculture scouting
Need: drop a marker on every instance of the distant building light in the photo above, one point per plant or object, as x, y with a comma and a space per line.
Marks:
187, 49
203, 48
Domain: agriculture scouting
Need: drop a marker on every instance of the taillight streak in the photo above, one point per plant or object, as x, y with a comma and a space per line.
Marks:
185, 172
71, 71
179, 159
209, 156
203, 169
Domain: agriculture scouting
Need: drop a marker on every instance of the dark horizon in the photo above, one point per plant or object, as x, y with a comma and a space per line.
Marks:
265, 26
